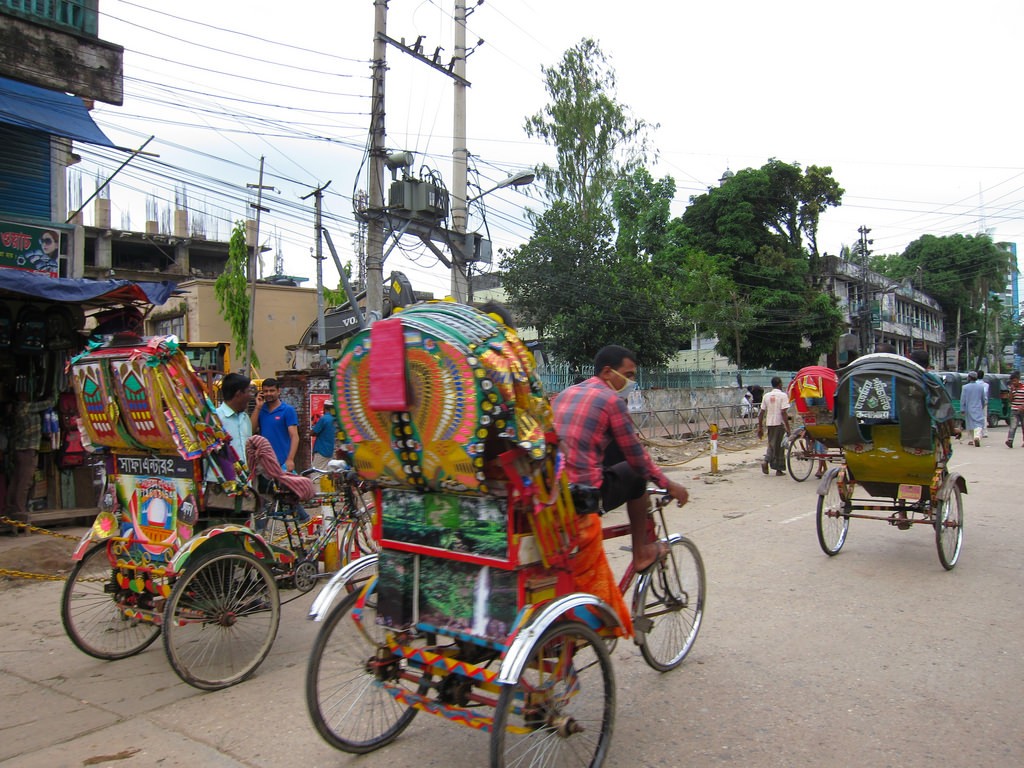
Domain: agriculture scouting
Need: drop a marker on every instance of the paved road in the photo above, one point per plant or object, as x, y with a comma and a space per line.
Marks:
877, 657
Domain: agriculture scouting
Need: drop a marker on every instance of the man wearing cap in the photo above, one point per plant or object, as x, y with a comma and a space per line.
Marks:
325, 429
972, 406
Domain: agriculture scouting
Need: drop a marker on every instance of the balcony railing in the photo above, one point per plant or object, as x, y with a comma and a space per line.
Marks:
70, 15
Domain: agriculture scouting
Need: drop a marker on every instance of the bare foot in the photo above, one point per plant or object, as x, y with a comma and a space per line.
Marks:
651, 554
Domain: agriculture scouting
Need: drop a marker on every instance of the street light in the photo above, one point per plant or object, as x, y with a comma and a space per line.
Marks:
966, 336
461, 261
520, 179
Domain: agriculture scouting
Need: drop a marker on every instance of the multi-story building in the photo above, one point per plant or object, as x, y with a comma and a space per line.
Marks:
880, 310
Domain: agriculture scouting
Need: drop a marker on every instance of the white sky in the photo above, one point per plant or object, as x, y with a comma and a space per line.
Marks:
913, 104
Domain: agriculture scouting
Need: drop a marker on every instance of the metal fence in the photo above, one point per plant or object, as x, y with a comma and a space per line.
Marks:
693, 423
558, 377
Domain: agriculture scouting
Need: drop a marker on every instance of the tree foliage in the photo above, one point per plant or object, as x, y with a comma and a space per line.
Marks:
595, 138
232, 292
762, 224
961, 272
589, 276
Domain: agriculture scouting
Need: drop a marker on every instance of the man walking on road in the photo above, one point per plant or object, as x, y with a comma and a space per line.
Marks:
972, 406
774, 414
1016, 407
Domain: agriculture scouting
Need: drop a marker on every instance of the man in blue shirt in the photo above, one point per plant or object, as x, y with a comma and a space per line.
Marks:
325, 429
278, 422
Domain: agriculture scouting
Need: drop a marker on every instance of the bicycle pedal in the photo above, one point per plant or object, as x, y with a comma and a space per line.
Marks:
642, 624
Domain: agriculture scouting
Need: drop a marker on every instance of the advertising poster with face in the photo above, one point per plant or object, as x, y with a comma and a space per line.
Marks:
29, 248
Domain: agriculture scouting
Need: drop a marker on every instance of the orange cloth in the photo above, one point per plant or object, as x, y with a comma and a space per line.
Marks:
593, 574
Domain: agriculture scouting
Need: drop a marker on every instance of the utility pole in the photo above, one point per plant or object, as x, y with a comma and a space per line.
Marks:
460, 156
321, 327
375, 211
252, 269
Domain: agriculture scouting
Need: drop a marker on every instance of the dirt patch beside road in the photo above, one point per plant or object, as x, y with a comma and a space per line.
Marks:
36, 555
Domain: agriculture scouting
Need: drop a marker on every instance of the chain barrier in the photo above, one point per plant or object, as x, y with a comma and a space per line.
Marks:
29, 528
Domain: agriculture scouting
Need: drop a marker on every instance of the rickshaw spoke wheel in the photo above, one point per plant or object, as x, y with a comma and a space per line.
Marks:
833, 520
561, 711
221, 619
671, 599
353, 686
949, 528
96, 612
800, 458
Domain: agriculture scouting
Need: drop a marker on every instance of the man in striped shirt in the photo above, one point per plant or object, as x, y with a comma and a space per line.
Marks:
602, 449
1016, 407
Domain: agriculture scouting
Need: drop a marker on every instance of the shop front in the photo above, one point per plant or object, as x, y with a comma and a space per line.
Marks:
44, 322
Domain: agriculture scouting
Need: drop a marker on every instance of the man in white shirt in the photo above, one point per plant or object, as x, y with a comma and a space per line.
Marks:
774, 415
235, 392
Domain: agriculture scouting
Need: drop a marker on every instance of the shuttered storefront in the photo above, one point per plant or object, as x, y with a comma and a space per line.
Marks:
24, 173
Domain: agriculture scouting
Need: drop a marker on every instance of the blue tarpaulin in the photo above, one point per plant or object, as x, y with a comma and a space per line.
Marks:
52, 112
83, 291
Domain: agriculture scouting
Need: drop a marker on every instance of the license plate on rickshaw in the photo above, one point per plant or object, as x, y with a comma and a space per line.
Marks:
909, 492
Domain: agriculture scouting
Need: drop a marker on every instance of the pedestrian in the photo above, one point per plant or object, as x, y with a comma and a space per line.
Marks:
1016, 407
774, 414
984, 384
325, 429
972, 406
24, 446
278, 422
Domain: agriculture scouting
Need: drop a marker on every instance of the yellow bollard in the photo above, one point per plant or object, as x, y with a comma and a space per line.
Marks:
714, 449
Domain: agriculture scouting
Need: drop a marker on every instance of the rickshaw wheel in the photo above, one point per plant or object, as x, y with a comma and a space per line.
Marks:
561, 711
949, 528
221, 619
93, 616
305, 575
833, 518
800, 458
352, 683
671, 598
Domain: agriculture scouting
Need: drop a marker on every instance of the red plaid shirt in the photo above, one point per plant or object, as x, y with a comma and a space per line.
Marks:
588, 416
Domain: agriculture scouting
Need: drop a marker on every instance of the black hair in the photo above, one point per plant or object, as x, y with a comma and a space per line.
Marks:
612, 355
232, 384
777, 382
269, 383
920, 357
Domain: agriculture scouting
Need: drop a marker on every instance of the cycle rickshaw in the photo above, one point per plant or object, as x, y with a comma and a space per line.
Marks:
154, 562
491, 603
812, 392
894, 422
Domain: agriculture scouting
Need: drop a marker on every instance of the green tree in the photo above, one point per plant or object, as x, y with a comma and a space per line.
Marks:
589, 276
763, 223
232, 292
595, 138
961, 272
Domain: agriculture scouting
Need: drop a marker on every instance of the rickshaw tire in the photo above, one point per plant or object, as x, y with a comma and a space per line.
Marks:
85, 594
539, 739
949, 539
319, 710
249, 595
682, 601
800, 468
832, 529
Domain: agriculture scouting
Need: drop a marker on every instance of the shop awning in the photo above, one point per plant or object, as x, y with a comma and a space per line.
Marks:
51, 112
16, 283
